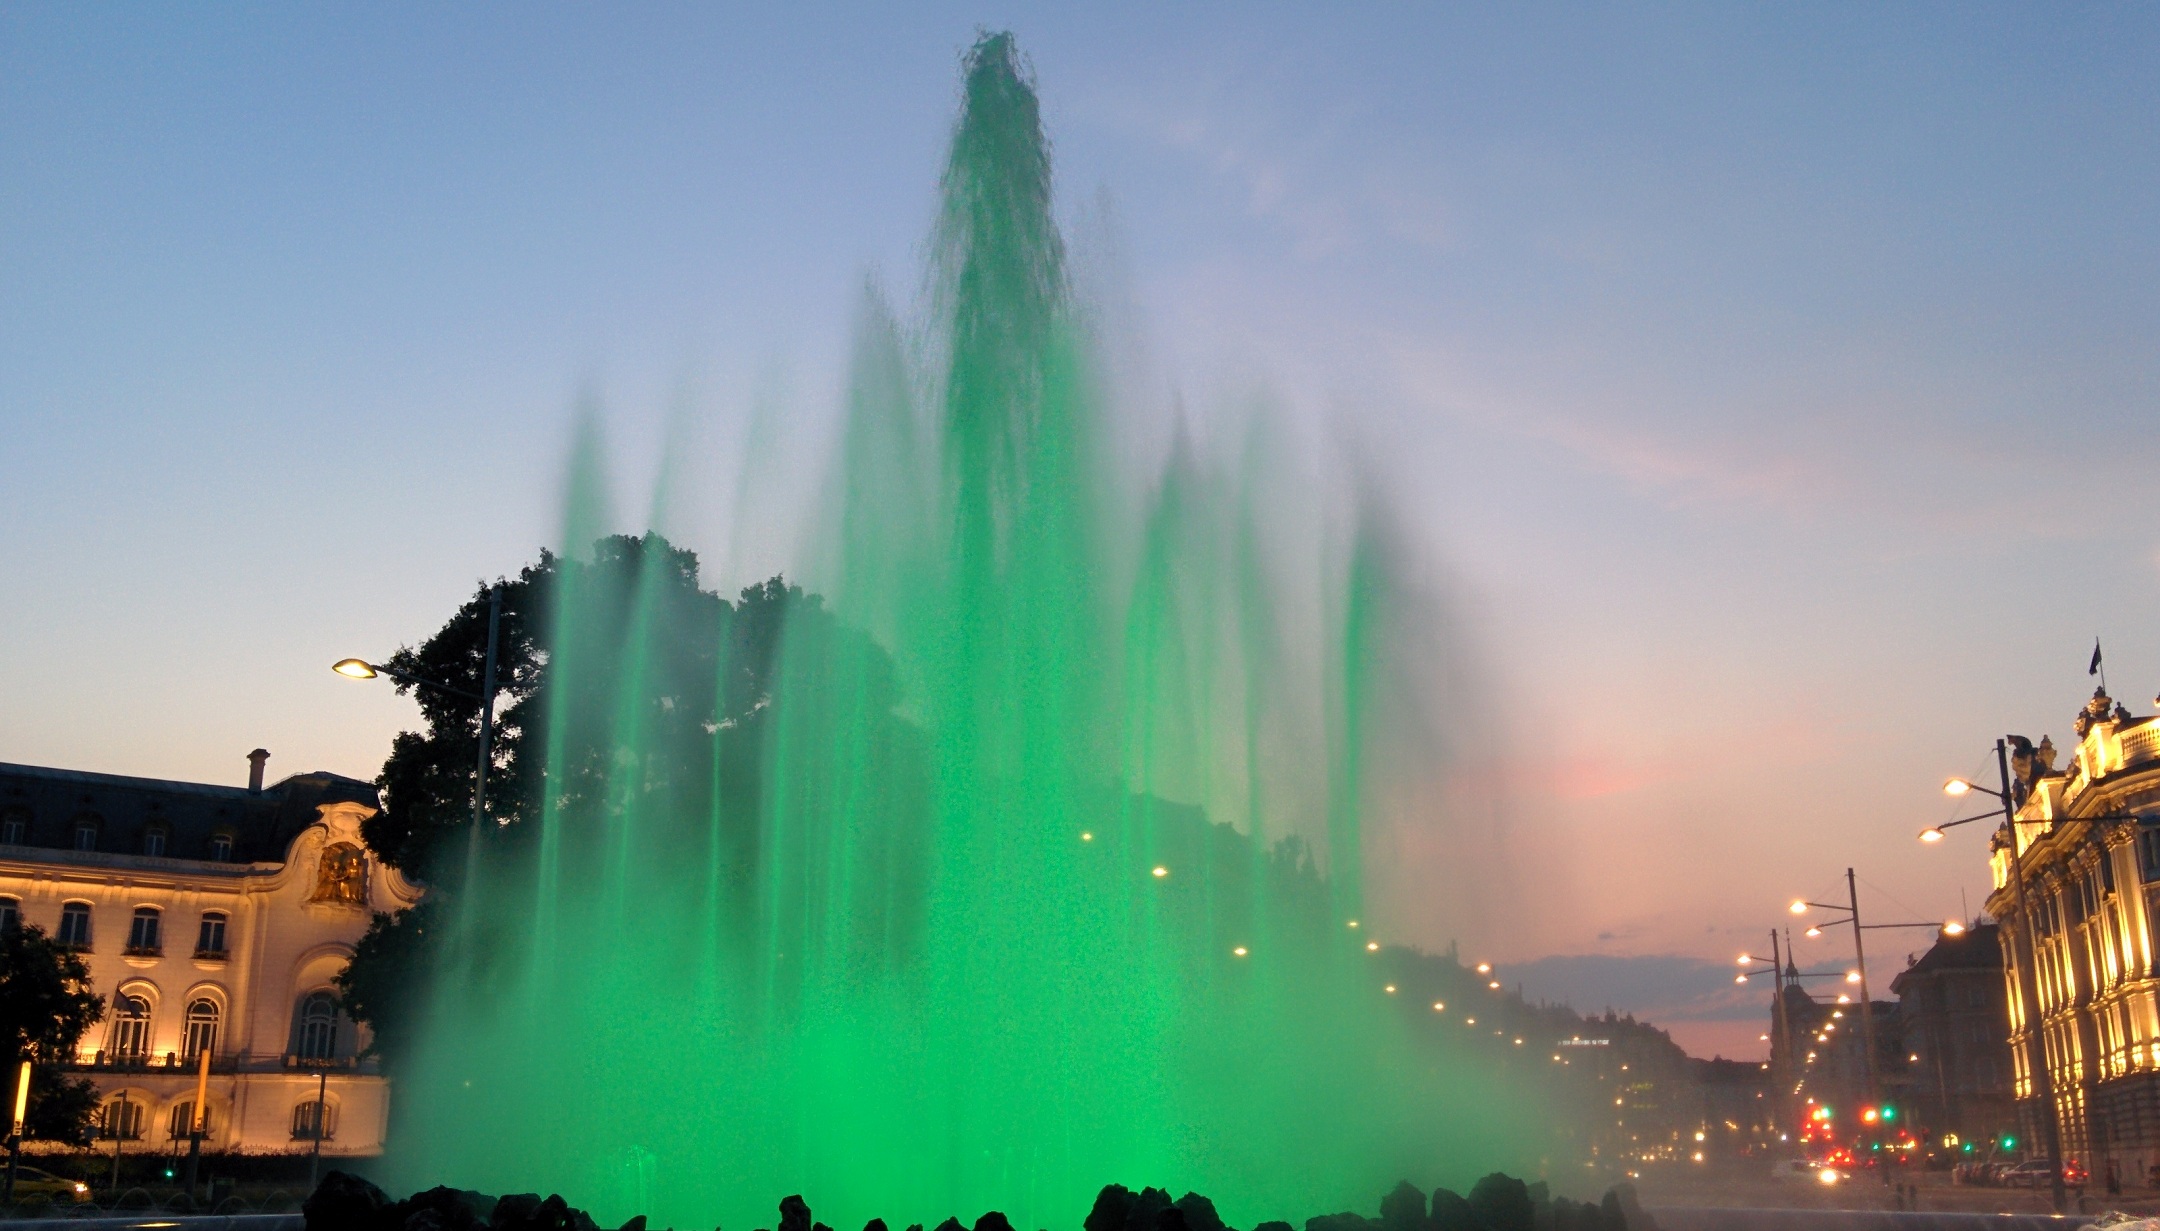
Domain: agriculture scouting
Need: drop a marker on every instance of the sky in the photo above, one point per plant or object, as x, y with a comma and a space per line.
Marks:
1773, 389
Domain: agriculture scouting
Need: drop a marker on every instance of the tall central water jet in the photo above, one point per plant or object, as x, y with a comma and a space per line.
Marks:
978, 885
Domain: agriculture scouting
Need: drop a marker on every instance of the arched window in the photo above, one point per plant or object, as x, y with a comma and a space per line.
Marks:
314, 1121
202, 1024
153, 840
183, 1120
74, 925
130, 1028
143, 932
10, 914
210, 937
318, 1027
123, 1119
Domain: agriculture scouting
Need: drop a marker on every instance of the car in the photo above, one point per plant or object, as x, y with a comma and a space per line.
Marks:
31, 1182
2035, 1173
1802, 1171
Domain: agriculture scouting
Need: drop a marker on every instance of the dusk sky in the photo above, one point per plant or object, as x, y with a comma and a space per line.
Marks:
1775, 389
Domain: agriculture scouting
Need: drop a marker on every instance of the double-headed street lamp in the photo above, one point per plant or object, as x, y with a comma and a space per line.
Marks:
2043, 1080
361, 669
1859, 973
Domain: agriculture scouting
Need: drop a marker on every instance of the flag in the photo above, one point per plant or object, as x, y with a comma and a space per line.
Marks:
2094, 669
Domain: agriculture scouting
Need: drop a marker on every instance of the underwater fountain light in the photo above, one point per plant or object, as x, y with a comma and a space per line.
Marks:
354, 668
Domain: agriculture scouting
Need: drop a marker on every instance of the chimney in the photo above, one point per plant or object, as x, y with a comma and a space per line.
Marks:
255, 764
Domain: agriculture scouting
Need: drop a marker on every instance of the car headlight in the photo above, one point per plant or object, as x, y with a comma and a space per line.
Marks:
1827, 1176
82, 1188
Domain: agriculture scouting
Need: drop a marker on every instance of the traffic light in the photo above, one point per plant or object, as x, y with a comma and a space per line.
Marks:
2009, 1142
1889, 1113
1868, 1115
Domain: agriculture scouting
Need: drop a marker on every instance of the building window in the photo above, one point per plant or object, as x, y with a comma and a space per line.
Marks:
314, 1121
221, 848
2148, 847
14, 831
86, 835
75, 925
10, 914
123, 1119
183, 1120
210, 937
143, 932
153, 841
318, 1027
131, 1032
202, 1023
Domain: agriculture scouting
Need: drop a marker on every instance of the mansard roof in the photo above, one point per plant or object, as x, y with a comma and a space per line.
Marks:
261, 824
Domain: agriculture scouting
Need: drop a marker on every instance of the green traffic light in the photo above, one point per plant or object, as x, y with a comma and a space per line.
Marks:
2009, 1142
1968, 1147
1889, 1112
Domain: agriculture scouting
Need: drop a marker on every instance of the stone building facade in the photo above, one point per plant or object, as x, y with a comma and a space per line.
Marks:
1955, 1019
212, 918
2088, 844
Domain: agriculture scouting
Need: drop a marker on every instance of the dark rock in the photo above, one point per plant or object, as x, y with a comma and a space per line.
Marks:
1146, 1209
635, 1224
1170, 1218
1403, 1209
1451, 1213
1276, 1224
1620, 1200
515, 1210
344, 1202
794, 1214
1113, 1206
951, 1224
1200, 1213
1503, 1203
1345, 1221
875, 1224
818, 1226
993, 1221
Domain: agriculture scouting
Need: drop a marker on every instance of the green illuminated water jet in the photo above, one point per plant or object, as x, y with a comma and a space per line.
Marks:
978, 886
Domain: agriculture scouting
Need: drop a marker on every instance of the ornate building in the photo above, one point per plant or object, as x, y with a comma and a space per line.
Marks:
213, 919
2088, 846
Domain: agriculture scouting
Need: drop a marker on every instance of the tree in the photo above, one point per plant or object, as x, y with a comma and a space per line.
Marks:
46, 1006
587, 650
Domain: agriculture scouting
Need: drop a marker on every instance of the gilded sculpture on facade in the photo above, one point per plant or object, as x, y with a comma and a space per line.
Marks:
341, 875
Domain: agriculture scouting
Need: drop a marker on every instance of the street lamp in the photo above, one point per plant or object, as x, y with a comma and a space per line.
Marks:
361, 669
1859, 974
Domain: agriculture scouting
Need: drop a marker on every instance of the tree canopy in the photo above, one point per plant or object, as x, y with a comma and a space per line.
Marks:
46, 1005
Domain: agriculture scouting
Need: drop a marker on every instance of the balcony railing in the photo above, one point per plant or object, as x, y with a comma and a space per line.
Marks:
211, 955
143, 951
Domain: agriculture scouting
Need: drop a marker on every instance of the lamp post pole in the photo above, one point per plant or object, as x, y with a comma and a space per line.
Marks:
322, 1122
15, 1136
1867, 1012
2043, 1081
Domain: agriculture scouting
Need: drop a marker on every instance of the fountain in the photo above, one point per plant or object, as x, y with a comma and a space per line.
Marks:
1025, 862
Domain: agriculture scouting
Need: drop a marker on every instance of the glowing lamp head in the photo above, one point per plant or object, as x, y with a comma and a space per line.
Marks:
1439, 1006
1484, 968
354, 668
1494, 985
1160, 871
1389, 989
1798, 907
1956, 787
1086, 836
1745, 959
1931, 835
1812, 932
1843, 998
1739, 978
1238, 952
1953, 928
1372, 946
1852, 976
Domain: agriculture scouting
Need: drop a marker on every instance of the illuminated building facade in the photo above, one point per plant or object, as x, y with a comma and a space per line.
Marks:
214, 919
2088, 845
